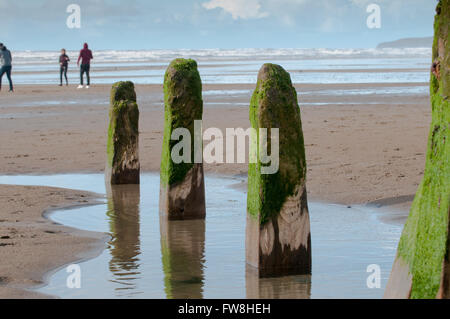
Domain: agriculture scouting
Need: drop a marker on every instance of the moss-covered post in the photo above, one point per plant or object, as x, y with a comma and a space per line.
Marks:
422, 266
278, 239
122, 166
182, 193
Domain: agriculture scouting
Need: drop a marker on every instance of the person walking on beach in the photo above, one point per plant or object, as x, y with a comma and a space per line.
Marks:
64, 64
85, 57
5, 66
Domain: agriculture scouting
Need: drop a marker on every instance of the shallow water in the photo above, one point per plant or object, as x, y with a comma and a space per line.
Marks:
152, 258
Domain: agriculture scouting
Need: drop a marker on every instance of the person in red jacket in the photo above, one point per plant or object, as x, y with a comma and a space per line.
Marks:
85, 57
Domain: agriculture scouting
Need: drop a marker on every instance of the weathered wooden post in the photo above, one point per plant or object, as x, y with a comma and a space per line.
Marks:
182, 193
278, 239
122, 166
422, 265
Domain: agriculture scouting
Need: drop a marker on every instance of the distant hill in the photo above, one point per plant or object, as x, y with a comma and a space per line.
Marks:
426, 42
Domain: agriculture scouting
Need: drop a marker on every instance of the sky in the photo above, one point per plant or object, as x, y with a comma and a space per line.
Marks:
197, 24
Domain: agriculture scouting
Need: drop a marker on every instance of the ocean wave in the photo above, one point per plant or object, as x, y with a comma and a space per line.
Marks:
163, 56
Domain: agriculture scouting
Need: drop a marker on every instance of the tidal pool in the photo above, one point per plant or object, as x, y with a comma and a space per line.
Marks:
149, 257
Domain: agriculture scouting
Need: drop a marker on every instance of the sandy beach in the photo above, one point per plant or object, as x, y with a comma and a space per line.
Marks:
358, 149
31, 245
372, 151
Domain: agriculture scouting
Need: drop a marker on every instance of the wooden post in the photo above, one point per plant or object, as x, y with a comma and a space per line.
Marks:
422, 265
278, 239
122, 166
182, 193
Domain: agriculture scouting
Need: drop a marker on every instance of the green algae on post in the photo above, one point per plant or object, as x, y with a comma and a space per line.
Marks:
422, 266
278, 240
182, 194
122, 166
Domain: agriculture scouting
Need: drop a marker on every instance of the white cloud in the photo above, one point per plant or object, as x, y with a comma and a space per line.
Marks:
284, 10
361, 3
239, 9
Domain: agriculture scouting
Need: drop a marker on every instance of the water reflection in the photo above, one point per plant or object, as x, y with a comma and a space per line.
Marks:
288, 287
192, 267
123, 213
183, 257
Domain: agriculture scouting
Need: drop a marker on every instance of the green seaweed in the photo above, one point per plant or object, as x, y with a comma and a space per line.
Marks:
424, 241
274, 104
122, 91
183, 105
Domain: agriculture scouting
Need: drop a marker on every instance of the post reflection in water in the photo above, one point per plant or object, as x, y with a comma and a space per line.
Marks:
183, 257
288, 287
123, 213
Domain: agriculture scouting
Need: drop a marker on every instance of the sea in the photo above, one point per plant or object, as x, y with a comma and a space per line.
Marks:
235, 66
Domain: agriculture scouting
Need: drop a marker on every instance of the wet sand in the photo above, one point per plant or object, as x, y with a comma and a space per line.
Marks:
371, 149
31, 245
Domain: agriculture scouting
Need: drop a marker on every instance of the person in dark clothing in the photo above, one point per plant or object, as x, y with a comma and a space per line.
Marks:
85, 57
5, 66
64, 65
